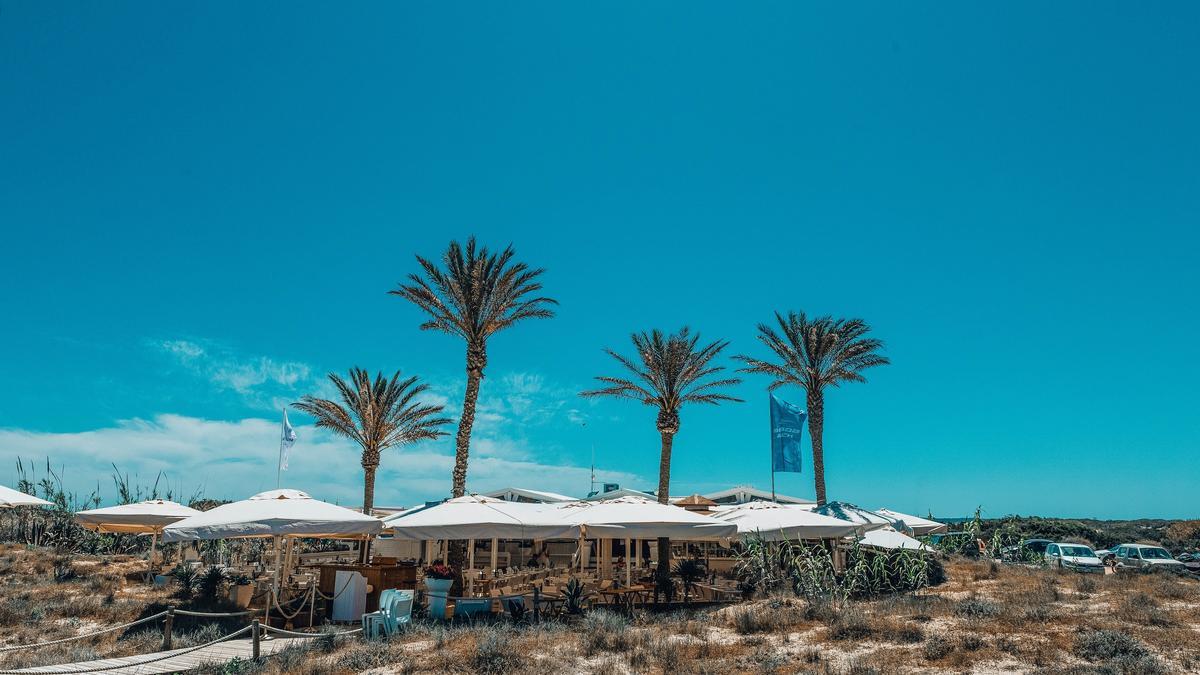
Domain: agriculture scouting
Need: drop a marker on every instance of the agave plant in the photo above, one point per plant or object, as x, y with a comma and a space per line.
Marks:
212, 581
187, 577
573, 596
690, 572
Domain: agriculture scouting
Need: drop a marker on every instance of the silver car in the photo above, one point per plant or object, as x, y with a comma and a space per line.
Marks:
1074, 557
1146, 557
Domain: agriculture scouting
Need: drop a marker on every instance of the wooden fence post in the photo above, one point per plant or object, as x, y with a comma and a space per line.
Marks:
537, 605
167, 625
256, 634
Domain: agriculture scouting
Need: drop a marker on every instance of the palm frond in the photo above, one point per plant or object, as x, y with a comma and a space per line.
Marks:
475, 292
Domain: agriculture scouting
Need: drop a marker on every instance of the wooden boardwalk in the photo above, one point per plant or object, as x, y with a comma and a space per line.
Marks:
179, 662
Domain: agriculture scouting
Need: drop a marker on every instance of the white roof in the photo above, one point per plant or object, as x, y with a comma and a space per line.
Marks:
641, 518
919, 526
854, 514
620, 492
746, 493
287, 513
888, 538
775, 522
10, 498
511, 493
479, 517
142, 517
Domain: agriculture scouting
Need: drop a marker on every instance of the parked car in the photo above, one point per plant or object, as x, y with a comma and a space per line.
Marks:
1191, 561
1106, 554
1146, 557
1073, 557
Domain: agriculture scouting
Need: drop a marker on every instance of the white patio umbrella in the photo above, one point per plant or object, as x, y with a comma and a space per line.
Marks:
139, 518
782, 522
279, 514
10, 498
890, 539
641, 518
275, 513
919, 526
148, 517
631, 517
479, 517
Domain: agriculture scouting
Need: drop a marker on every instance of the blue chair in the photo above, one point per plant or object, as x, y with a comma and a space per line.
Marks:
374, 622
399, 612
471, 607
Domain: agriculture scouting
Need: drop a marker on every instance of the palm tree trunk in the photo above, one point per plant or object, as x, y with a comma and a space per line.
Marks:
368, 488
816, 427
664, 494
476, 358
456, 552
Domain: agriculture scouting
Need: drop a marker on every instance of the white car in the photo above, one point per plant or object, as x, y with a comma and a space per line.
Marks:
1074, 557
1146, 557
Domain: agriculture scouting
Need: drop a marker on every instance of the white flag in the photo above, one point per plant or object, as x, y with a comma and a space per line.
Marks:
287, 439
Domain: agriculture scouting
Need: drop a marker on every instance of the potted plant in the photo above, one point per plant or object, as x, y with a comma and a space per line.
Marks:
438, 579
241, 590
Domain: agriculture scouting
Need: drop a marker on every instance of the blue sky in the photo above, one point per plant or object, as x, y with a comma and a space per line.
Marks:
204, 205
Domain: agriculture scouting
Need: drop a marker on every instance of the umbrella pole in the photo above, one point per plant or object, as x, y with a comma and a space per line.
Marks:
274, 594
470, 567
153, 546
495, 555
628, 566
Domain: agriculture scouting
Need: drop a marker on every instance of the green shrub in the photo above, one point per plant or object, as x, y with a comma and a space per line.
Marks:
936, 647
1104, 645
977, 608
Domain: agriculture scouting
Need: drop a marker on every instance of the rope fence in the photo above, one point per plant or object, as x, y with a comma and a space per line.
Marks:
102, 631
164, 657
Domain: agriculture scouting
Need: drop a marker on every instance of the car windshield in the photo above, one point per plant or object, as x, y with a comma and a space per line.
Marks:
1078, 551
1155, 554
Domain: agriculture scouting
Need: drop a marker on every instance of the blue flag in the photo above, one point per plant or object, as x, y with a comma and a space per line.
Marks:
787, 426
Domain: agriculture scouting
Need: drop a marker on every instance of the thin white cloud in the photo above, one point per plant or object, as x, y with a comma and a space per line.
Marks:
232, 460
261, 381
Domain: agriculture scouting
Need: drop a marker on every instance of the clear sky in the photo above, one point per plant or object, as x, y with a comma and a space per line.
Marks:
204, 204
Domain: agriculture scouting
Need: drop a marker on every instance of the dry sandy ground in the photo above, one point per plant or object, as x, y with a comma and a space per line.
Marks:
984, 619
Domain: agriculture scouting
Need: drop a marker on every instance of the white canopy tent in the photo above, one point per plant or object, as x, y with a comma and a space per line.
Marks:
781, 522
10, 498
919, 526
479, 517
890, 539
148, 517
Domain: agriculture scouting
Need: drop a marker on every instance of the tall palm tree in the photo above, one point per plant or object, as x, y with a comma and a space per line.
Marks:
815, 354
668, 372
478, 294
377, 415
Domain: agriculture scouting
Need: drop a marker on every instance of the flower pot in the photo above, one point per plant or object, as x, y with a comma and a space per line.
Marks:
437, 591
241, 595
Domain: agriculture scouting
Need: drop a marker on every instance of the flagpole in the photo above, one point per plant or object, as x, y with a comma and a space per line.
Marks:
772, 446
279, 462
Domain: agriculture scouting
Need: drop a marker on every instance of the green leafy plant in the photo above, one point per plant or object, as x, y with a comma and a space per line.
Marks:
187, 577
212, 581
690, 572
573, 596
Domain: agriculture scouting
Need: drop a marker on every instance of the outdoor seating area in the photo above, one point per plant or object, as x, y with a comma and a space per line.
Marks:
517, 557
